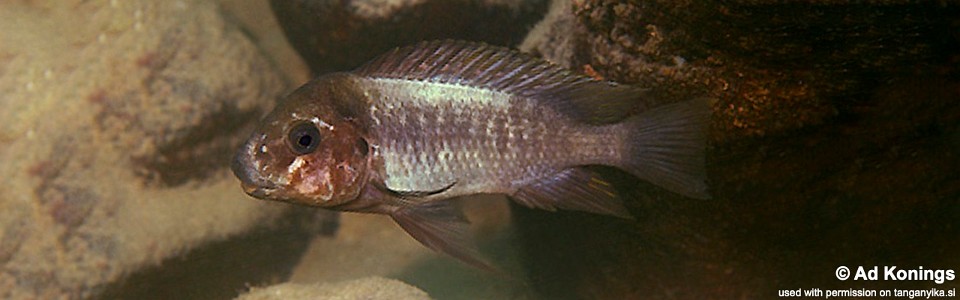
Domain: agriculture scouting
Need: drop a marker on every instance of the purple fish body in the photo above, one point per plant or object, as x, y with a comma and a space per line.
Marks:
439, 120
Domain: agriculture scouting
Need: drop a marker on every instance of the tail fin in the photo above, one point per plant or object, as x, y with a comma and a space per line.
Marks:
666, 146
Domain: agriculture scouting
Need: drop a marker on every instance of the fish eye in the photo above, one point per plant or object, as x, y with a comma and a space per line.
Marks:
303, 138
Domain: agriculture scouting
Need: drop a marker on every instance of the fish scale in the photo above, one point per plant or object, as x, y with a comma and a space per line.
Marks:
497, 161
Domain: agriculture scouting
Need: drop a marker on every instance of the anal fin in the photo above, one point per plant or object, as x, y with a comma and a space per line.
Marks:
578, 189
440, 226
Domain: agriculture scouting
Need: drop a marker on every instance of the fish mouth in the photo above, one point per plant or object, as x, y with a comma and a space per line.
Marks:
250, 179
259, 192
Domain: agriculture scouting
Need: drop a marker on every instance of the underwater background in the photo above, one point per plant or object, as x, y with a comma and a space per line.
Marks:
835, 141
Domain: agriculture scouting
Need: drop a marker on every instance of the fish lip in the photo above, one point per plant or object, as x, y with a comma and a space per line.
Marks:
250, 179
258, 189
259, 192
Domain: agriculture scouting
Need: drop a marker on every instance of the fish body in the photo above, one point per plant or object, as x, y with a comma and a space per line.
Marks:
439, 120
465, 140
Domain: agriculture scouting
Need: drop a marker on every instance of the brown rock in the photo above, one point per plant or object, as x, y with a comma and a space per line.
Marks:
342, 35
835, 139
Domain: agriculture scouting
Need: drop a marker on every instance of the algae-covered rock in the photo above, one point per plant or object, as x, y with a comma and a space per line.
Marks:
119, 119
357, 289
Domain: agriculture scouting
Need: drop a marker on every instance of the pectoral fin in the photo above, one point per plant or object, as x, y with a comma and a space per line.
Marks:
409, 198
442, 227
421, 194
573, 189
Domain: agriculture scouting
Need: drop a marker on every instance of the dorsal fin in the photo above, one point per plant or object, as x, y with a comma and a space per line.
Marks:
502, 69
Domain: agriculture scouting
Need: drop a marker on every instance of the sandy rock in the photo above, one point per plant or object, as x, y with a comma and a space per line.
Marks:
364, 288
120, 117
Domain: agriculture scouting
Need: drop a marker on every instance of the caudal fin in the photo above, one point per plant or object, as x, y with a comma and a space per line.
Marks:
666, 146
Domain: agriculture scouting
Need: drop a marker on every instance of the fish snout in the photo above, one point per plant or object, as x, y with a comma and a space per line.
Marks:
252, 182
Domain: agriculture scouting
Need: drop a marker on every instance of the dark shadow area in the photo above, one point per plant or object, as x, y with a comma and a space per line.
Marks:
333, 36
869, 179
225, 269
879, 189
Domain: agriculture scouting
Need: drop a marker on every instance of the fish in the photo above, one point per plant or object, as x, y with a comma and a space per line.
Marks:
420, 125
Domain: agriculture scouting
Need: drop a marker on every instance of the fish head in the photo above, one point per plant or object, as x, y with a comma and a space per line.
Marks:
311, 149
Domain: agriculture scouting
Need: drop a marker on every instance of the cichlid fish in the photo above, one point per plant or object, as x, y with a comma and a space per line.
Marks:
438, 120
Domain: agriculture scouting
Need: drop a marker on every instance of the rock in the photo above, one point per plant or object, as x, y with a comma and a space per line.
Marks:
120, 119
364, 288
555, 37
257, 21
342, 35
768, 75
834, 143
